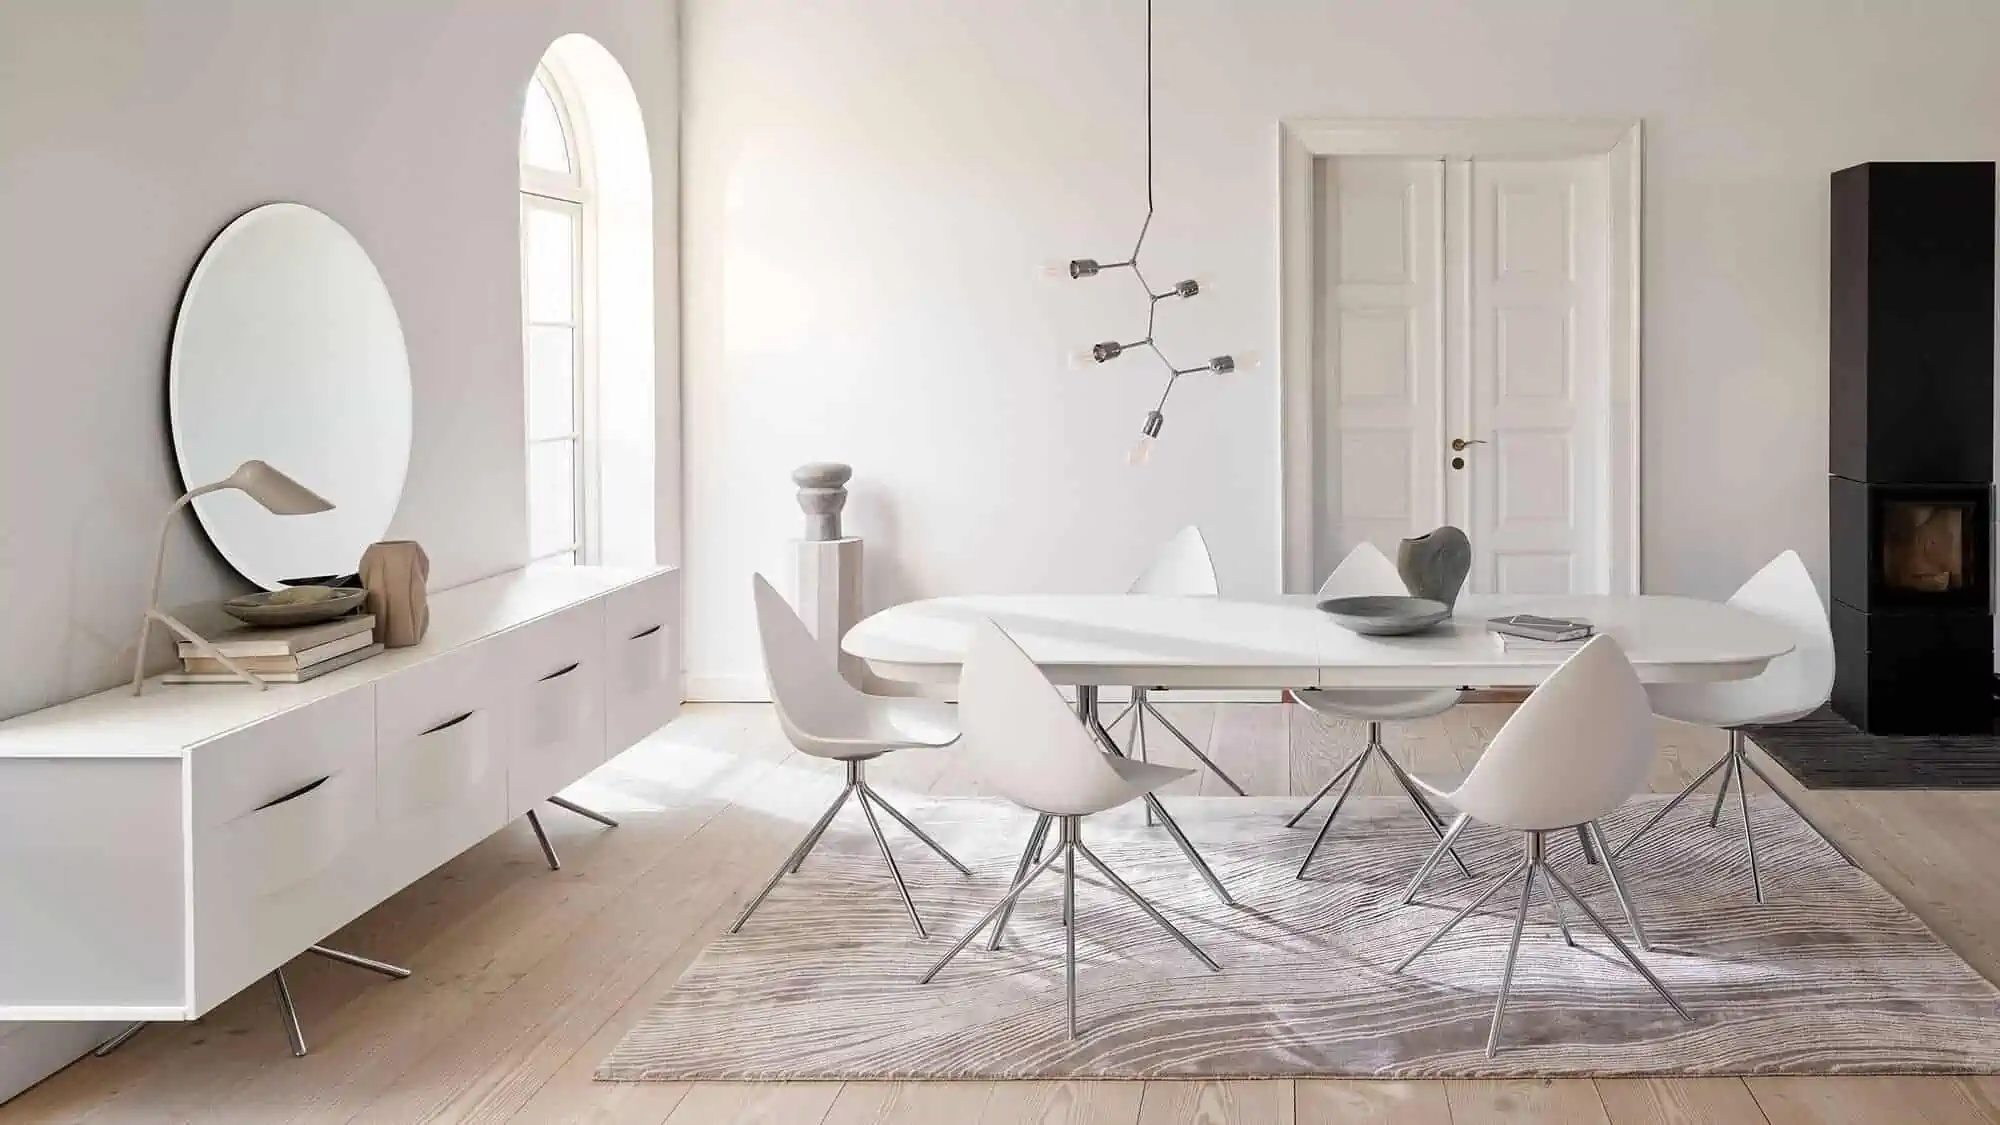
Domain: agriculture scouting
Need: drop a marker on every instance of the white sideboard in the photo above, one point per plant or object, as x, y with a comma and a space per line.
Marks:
160, 853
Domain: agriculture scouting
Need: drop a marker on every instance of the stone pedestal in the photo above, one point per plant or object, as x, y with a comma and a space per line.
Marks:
827, 594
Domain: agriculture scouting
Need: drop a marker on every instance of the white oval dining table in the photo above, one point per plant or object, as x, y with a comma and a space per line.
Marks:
1284, 641
1141, 640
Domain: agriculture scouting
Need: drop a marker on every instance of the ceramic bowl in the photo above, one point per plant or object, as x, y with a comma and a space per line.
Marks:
1380, 615
261, 609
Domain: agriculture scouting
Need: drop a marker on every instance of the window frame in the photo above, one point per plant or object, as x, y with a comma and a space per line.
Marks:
574, 196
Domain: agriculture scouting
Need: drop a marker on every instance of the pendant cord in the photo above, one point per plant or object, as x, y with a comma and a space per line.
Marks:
1149, 109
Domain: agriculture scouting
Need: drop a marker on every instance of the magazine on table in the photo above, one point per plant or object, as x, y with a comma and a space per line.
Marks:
1529, 631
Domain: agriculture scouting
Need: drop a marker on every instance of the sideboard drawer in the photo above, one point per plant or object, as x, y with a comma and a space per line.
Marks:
552, 674
284, 818
440, 763
248, 769
642, 659
437, 739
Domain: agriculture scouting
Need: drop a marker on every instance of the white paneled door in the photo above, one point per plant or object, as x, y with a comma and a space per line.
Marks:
1464, 362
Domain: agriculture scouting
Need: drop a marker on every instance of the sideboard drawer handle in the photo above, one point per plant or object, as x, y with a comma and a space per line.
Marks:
294, 794
644, 633
446, 725
561, 672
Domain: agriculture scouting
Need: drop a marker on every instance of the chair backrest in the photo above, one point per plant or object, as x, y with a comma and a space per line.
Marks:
1579, 747
1365, 570
1791, 686
1023, 738
1183, 566
812, 700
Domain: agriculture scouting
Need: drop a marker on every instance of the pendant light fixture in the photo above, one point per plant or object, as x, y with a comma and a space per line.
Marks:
1080, 268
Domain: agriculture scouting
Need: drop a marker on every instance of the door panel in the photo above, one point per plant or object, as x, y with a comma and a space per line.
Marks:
1469, 300
1382, 358
1535, 361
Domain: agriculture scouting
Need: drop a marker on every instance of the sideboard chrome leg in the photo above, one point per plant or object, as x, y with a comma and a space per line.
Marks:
118, 1040
360, 962
541, 837
593, 814
289, 1012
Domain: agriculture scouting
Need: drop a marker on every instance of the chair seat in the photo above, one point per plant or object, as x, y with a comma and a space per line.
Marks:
923, 722
1133, 780
1378, 703
1734, 703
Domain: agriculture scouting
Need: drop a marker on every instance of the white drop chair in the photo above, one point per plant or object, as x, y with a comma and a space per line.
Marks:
1366, 570
1790, 687
1030, 750
1577, 749
825, 716
1183, 568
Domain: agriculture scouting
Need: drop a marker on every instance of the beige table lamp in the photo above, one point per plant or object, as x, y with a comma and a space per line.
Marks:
280, 495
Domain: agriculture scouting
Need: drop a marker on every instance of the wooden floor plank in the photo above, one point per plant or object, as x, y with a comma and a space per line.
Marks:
1339, 1102
1874, 1101
1678, 1101
1217, 1103
908, 1103
747, 1103
1063, 1103
1567, 1101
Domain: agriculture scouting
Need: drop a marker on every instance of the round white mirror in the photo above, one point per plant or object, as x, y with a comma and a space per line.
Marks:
287, 349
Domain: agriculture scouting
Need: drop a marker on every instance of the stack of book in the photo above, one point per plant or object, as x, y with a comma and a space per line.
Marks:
1527, 631
289, 655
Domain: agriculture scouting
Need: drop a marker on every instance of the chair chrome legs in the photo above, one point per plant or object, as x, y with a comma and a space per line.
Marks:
1612, 871
1351, 772
1731, 766
1142, 706
865, 795
1030, 856
1069, 846
1534, 863
542, 838
1086, 713
287, 1011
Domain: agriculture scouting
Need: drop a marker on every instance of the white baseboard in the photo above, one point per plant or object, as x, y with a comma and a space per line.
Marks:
727, 689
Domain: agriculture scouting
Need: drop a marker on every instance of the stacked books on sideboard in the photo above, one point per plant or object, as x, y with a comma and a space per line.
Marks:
290, 654
1530, 632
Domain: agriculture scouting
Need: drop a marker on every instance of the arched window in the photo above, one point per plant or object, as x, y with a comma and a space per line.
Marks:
589, 312
558, 232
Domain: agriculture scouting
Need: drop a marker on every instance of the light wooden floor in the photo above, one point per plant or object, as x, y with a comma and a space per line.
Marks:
525, 977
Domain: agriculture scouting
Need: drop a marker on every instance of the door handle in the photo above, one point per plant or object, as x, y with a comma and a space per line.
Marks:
1460, 445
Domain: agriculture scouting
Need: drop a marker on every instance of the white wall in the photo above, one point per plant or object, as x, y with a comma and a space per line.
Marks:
132, 131
870, 186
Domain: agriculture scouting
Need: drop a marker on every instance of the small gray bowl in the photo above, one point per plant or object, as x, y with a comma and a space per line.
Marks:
1385, 615
258, 609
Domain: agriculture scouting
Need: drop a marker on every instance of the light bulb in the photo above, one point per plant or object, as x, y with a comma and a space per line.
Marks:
1249, 360
1142, 450
1086, 358
1233, 364
1091, 355
1068, 269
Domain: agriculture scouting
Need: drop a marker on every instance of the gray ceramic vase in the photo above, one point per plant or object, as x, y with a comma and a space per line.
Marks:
1434, 566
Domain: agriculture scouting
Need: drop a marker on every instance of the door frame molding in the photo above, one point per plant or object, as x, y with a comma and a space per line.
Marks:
1301, 143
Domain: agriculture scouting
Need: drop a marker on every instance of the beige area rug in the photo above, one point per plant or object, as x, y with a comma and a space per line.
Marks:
1832, 976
